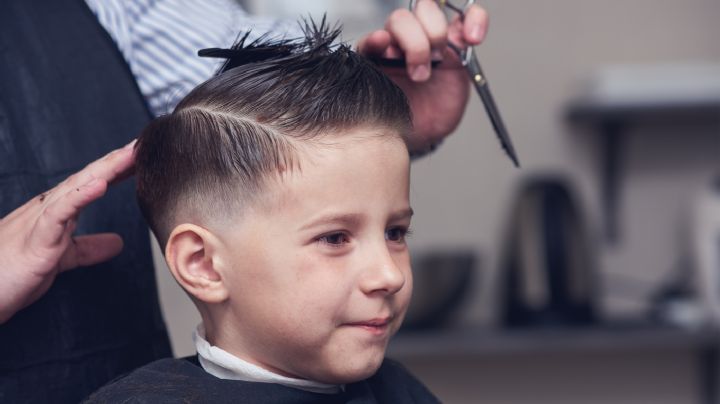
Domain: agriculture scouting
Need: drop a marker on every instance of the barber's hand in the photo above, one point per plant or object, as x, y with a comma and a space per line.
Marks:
36, 241
437, 97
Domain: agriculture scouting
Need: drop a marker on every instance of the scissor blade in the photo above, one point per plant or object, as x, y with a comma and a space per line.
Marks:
481, 86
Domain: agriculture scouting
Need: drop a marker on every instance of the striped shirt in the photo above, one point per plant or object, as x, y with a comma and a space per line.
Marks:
159, 39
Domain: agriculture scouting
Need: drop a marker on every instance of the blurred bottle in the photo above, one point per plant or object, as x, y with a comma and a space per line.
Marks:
547, 265
706, 249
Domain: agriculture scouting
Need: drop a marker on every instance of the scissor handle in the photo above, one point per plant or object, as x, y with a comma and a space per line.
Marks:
471, 63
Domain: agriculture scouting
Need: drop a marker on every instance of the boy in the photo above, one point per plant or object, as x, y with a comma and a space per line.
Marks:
280, 192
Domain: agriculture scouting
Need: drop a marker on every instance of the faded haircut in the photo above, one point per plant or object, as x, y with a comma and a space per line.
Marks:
223, 141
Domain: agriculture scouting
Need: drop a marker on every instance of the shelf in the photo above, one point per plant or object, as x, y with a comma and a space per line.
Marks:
598, 112
610, 338
612, 120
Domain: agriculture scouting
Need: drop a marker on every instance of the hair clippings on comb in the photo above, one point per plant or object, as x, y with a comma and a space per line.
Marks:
318, 38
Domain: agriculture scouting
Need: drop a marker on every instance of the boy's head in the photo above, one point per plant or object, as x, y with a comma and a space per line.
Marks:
279, 189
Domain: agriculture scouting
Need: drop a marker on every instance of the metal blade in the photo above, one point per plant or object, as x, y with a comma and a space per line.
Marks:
481, 86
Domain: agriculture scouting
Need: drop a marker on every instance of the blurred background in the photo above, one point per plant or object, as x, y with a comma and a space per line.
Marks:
591, 274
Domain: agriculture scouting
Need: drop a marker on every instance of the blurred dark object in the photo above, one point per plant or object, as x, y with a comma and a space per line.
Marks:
442, 281
547, 269
675, 302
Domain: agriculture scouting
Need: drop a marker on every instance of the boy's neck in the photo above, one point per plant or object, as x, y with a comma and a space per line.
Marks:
225, 365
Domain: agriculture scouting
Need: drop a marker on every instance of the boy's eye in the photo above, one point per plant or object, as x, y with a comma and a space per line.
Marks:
397, 234
335, 239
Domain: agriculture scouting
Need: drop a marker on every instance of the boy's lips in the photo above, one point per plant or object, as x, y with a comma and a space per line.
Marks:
375, 326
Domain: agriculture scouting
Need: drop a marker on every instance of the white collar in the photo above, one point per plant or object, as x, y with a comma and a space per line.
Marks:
225, 365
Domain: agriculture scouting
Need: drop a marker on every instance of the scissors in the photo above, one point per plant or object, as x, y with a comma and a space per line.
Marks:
472, 66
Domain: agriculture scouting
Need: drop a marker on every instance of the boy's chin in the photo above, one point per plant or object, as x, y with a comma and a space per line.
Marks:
352, 371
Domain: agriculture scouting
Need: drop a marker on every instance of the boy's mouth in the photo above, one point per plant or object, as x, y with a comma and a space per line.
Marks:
376, 326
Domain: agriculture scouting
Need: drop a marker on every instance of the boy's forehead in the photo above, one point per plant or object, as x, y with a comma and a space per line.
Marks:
351, 152
357, 136
333, 163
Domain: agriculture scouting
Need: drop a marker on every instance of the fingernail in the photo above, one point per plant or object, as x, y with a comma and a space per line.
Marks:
420, 73
130, 145
476, 33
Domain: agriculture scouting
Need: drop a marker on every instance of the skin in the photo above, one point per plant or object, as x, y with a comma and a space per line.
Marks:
311, 282
36, 242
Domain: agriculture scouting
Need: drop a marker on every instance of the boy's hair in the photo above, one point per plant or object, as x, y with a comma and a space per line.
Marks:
214, 152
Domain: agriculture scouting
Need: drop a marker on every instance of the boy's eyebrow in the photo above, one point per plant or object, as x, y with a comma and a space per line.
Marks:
403, 214
353, 219
349, 219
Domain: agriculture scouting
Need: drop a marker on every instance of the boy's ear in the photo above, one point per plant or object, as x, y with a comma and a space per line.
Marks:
190, 254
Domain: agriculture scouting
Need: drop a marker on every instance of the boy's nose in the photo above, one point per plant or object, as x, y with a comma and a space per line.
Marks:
384, 274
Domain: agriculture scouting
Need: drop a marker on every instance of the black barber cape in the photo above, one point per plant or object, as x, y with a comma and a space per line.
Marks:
183, 380
67, 97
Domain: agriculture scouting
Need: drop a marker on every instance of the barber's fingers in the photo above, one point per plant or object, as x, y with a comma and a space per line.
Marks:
434, 23
475, 24
51, 229
409, 35
113, 167
90, 250
375, 44
110, 168
45, 224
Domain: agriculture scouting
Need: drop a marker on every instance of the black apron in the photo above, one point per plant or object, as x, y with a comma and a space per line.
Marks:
170, 381
66, 98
